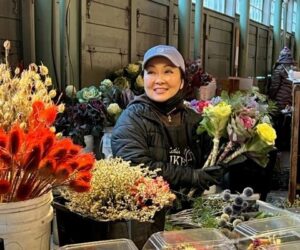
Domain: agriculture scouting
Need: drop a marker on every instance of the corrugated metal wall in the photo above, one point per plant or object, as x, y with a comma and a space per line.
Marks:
10, 29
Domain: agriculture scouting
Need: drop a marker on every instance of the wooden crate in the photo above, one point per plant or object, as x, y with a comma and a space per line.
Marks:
232, 84
294, 184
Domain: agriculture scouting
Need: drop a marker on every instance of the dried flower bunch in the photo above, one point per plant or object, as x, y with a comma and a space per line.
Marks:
36, 160
120, 191
19, 90
33, 159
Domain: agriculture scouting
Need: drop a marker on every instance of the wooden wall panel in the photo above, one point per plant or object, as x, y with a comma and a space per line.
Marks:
106, 39
100, 62
152, 25
262, 55
123, 4
109, 15
218, 46
10, 29
107, 28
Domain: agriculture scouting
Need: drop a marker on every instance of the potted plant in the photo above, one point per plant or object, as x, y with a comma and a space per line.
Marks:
33, 158
124, 202
83, 121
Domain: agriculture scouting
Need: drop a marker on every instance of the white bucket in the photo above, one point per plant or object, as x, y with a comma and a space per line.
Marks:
26, 225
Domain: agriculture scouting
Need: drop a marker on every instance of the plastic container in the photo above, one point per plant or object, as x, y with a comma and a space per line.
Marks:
269, 208
289, 246
271, 239
27, 224
268, 225
202, 237
118, 244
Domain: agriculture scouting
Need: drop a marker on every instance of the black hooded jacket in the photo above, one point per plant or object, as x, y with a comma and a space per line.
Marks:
140, 137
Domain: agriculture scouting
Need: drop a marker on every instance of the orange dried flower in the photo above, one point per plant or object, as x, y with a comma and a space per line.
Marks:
36, 160
47, 167
63, 171
80, 186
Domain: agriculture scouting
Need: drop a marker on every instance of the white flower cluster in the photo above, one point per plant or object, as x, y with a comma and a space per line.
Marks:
19, 90
111, 198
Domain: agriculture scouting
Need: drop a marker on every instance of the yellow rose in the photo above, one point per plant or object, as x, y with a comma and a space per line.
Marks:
222, 110
266, 133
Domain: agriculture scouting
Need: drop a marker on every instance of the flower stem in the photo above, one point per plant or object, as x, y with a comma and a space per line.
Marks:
207, 163
216, 142
235, 154
227, 149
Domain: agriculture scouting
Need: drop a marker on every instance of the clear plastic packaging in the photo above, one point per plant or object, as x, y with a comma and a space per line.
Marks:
268, 225
265, 241
188, 239
118, 244
269, 208
289, 246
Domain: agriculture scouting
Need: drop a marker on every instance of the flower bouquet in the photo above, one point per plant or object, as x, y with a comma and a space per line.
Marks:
33, 158
122, 197
240, 127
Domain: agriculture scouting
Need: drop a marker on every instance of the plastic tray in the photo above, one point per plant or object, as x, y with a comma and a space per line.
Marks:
267, 207
202, 237
289, 246
119, 244
268, 225
284, 236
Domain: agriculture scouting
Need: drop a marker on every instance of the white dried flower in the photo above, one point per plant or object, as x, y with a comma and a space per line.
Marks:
43, 70
48, 81
33, 67
118, 190
17, 71
6, 45
52, 93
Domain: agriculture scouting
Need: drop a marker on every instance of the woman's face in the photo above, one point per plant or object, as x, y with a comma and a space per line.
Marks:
162, 80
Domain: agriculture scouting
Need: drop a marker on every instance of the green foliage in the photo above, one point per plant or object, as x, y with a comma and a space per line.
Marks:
205, 210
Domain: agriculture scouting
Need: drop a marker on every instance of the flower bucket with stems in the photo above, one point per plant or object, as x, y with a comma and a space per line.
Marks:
33, 157
75, 228
27, 224
124, 202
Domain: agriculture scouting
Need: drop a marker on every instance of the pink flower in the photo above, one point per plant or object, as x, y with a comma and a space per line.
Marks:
201, 105
247, 121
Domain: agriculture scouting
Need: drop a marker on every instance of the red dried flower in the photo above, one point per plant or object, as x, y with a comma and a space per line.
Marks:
15, 140
47, 167
24, 191
80, 185
36, 159
4, 186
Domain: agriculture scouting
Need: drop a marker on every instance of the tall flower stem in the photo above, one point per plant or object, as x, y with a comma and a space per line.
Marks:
227, 149
238, 152
216, 142
207, 163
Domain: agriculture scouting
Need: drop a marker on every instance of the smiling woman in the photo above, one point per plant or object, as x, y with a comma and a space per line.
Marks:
162, 79
157, 129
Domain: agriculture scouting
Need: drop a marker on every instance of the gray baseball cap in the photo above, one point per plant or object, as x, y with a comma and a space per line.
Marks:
166, 51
